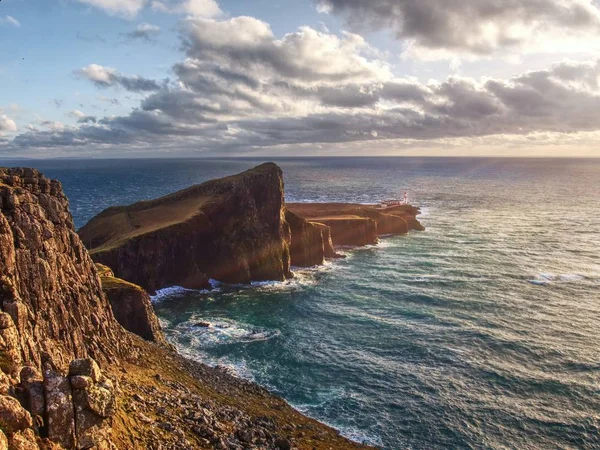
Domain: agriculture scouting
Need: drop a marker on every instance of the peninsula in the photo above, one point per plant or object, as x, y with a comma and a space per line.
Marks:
236, 229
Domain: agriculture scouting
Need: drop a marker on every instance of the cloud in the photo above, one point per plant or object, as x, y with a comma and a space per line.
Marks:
104, 77
195, 8
9, 20
144, 31
7, 124
124, 8
240, 88
479, 27
81, 117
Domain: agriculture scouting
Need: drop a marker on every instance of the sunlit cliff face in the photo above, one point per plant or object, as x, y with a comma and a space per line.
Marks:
508, 78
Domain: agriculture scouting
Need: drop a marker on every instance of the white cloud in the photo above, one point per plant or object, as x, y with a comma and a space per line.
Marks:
9, 20
7, 125
124, 8
195, 8
108, 77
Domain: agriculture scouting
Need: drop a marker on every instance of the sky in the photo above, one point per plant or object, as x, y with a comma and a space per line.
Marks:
167, 78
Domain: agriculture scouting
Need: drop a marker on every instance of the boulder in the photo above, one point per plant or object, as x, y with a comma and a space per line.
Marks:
13, 417
24, 440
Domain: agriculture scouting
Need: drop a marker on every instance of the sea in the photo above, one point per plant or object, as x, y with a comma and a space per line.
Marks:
482, 332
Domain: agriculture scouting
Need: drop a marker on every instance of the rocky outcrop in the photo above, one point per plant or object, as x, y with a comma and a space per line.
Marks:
328, 248
50, 294
131, 306
232, 229
352, 230
307, 248
347, 220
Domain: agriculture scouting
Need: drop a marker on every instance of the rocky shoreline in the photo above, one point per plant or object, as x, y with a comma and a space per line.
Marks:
84, 363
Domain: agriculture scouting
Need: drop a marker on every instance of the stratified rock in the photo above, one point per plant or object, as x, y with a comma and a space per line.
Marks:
232, 230
48, 282
13, 417
131, 306
59, 407
307, 247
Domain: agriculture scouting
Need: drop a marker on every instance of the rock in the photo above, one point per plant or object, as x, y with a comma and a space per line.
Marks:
347, 220
13, 417
24, 440
232, 230
132, 308
93, 401
202, 325
3, 441
307, 246
283, 444
85, 367
59, 407
48, 283
327, 241
352, 230
32, 385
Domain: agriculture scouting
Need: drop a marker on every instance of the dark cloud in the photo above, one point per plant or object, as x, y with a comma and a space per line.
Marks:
476, 26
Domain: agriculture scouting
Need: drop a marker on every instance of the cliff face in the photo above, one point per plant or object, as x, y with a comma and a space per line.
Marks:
54, 318
328, 249
232, 230
352, 230
307, 248
347, 220
131, 306
48, 282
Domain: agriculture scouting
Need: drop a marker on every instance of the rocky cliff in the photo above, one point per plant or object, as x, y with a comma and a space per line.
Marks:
72, 378
232, 229
307, 247
354, 224
48, 283
131, 306
54, 319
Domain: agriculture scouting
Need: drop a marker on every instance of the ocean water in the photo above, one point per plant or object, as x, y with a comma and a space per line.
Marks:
482, 332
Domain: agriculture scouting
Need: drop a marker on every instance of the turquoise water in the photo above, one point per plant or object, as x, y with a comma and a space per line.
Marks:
482, 332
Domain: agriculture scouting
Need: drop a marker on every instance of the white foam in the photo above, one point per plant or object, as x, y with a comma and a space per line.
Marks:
547, 278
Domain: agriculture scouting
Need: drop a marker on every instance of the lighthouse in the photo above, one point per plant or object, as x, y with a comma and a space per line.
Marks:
405, 201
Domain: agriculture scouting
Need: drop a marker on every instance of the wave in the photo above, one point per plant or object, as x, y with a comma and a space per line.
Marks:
546, 278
